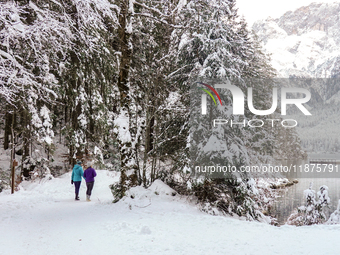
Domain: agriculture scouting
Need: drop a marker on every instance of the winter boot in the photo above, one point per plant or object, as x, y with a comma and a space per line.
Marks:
77, 198
88, 198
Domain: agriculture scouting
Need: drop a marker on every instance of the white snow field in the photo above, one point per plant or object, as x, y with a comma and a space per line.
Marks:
43, 218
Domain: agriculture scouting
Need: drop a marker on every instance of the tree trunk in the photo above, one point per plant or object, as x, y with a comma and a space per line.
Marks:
26, 141
8, 122
149, 133
126, 145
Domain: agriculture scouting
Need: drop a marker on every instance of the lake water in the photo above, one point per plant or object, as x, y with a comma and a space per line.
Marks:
292, 197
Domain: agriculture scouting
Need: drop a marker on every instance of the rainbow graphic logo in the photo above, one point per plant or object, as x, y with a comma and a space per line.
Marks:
204, 96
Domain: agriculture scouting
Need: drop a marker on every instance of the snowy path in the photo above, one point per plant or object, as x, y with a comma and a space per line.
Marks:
44, 219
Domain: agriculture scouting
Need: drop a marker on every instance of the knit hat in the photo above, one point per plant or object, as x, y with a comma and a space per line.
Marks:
79, 162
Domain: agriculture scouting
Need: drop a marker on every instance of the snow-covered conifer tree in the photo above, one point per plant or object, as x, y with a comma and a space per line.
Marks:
313, 210
335, 216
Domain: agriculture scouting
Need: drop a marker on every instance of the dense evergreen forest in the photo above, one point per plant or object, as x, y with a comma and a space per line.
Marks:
109, 81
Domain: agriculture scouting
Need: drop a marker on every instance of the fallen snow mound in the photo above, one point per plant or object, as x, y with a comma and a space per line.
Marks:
141, 197
160, 188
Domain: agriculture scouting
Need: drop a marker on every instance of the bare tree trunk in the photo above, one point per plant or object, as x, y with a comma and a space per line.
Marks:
26, 142
146, 142
12, 156
153, 168
149, 133
8, 122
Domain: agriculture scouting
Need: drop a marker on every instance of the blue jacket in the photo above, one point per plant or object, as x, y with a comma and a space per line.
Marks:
89, 174
77, 173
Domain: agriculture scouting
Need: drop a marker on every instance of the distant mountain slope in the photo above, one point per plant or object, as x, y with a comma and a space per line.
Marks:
305, 42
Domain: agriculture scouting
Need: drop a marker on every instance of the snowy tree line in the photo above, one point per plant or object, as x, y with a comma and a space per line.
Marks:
110, 80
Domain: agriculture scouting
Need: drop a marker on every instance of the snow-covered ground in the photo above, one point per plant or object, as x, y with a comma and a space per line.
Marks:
43, 218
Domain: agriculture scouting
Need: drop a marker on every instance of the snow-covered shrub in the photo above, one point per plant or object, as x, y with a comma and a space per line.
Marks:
38, 168
4, 180
335, 216
228, 196
117, 191
313, 211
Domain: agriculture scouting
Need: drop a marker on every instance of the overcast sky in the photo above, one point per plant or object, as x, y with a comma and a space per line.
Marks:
260, 9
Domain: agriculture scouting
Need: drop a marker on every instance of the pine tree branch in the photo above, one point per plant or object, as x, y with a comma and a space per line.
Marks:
159, 21
151, 9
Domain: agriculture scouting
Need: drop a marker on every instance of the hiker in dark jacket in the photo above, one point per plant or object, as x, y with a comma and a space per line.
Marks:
89, 175
77, 173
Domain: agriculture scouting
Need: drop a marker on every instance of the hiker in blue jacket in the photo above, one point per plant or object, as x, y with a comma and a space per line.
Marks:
77, 173
89, 175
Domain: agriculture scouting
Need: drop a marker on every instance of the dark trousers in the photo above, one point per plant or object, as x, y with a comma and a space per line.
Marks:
89, 186
77, 186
